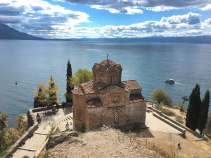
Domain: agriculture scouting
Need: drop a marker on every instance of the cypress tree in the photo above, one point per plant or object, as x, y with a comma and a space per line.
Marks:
69, 86
203, 112
193, 108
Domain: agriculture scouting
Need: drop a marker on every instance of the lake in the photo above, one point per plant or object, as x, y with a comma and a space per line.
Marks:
33, 62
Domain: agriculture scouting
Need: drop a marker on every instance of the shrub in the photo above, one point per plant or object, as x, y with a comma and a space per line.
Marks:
179, 119
158, 106
181, 106
82, 128
167, 100
50, 133
168, 112
160, 95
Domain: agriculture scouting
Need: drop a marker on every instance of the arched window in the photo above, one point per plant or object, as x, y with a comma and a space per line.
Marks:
116, 99
116, 117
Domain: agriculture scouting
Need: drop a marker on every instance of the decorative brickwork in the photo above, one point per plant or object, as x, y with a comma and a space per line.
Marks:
106, 100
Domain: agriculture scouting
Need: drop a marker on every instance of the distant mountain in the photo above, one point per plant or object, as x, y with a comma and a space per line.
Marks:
196, 39
7, 32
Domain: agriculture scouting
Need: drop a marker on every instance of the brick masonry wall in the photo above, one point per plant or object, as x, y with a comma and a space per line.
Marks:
136, 112
79, 111
127, 115
109, 100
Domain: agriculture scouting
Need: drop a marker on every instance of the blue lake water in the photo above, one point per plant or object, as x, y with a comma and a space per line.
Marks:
32, 62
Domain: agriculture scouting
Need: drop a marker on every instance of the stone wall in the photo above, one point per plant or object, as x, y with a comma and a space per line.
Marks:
26, 135
116, 97
79, 111
182, 130
127, 115
177, 123
96, 117
136, 112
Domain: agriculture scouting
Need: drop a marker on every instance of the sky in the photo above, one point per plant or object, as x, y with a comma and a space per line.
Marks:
69, 19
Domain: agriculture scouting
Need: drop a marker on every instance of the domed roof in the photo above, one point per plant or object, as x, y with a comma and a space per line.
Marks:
106, 64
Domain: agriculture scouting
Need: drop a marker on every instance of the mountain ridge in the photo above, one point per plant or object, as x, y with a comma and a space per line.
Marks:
7, 32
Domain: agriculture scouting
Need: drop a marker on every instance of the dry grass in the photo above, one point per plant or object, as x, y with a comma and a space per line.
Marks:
108, 143
168, 112
160, 148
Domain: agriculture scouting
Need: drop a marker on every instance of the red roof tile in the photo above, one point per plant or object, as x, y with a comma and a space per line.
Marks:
88, 87
77, 91
131, 84
107, 89
91, 87
137, 98
94, 103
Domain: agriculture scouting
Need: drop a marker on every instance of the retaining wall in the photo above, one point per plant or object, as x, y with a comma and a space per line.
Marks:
177, 123
21, 140
183, 131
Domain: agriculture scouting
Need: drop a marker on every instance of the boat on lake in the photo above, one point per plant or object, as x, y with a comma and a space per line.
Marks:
170, 81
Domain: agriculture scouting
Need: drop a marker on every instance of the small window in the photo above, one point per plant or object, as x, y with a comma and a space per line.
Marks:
111, 80
116, 99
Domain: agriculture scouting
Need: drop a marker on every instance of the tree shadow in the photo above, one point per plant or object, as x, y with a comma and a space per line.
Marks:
144, 133
67, 110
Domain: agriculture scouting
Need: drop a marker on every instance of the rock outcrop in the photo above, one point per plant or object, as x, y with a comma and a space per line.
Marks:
67, 136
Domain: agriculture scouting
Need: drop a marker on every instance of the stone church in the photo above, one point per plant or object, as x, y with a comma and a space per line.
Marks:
107, 100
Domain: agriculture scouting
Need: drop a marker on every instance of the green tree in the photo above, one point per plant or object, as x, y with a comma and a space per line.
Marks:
3, 131
39, 96
52, 89
21, 124
160, 95
193, 108
208, 126
81, 76
185, 98
11, 135
167, 100
70, 85
48, 94
203, 112
3, 120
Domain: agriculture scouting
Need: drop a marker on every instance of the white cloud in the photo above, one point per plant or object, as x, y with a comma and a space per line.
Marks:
38, 15
174, 26
42, 19
190, 18
160, 8
207, 7
121, 6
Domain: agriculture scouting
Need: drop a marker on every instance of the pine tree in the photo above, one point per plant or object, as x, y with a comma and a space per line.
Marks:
37, 102
193, 108
52, 91
46, 95
203, 112
39, 96
69, 83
